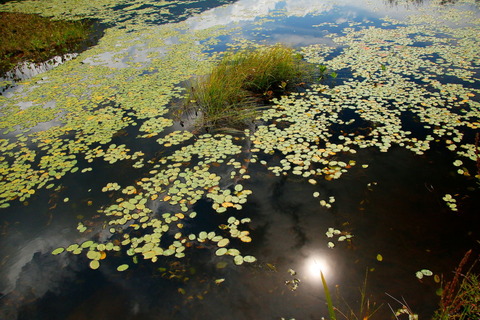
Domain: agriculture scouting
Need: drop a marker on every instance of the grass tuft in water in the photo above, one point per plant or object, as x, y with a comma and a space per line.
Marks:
331, 309
27, 37
233, 90
364, 311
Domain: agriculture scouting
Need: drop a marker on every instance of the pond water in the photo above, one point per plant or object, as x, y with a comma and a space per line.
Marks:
371, 175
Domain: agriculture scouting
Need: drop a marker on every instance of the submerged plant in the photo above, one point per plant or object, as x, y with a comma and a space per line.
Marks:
234, 87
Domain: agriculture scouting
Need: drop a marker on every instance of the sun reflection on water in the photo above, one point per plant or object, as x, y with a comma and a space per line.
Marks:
315, 265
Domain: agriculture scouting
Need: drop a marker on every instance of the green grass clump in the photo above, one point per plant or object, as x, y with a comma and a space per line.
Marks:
460, 298
27, 37
233, 90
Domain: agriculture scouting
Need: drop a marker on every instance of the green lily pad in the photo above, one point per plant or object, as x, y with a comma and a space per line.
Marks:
122, 267
221, 251
58, 251
223, 242
94, 264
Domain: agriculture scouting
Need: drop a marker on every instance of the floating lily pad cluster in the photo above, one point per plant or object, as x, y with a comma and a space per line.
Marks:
388, 78
73, 113
127, 13
422, 273
342, 236
76, 110
175, 188
450, 201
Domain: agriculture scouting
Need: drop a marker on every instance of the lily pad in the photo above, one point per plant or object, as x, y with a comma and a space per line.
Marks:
122, 267
58, 251
94, 264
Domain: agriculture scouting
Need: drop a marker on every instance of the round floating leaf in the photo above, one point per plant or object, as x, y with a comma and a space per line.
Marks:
221, 251
58, 251
238, 260
217, 238
87, 244
93, 255
122, 267
94, 264
249, 259
426, 272
72, 247
233, 252
223, 242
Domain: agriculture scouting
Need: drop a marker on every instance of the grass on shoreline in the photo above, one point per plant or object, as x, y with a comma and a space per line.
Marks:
461, 296
27, 37
232, 92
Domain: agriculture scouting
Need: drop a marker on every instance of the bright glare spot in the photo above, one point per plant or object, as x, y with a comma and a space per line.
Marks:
315, 265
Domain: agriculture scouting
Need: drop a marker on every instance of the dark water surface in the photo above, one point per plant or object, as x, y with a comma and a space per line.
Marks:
400, 217
393, 208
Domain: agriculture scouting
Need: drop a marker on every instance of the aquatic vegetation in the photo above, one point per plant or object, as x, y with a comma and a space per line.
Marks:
331, 309
228, 93
366, 308
96, 114
178, 188
342, 236
133, 14
451, 202
477, 153
297, 127
403, 310
460, 298
27, 37
88, 122
423, 273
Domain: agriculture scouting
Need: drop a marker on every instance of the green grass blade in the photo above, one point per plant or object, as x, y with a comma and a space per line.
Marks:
331, 311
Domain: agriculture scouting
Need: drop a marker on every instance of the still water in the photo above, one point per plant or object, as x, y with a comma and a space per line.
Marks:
389, 203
